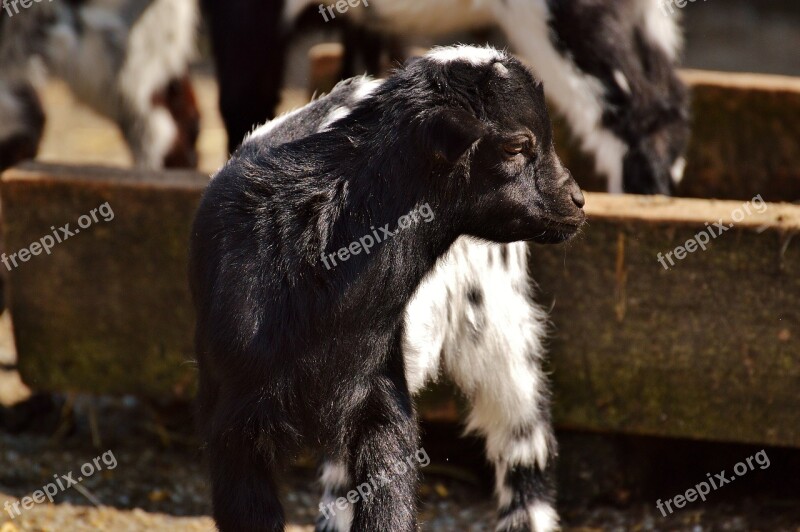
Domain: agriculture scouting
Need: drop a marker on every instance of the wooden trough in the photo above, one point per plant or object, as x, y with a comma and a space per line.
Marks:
707, 349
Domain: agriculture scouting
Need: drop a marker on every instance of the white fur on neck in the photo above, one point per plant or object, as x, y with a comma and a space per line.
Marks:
366, 87
266, 128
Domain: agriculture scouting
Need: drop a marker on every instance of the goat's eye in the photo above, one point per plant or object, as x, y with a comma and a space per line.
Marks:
513, 149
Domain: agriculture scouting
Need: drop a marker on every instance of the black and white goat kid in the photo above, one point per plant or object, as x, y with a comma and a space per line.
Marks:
609, 65
292, 353
127, 59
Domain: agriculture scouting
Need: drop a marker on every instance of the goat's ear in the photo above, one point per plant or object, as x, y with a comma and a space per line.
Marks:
449, 133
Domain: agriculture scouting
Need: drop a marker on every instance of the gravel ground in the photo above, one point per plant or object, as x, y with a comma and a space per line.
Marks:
158, 482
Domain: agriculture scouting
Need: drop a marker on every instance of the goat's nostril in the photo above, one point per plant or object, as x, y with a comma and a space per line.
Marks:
577, 197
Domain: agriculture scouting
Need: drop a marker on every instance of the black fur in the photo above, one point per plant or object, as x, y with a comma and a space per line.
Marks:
25, 143
250, 55
291, 353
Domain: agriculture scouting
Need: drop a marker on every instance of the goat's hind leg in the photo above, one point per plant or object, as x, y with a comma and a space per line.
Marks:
374, 464
336, 482
497, 365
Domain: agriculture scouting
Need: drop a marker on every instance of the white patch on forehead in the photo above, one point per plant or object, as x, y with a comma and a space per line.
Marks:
475, 55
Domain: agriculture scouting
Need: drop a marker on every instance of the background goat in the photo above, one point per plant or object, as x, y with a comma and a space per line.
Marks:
292, 352
608, 65
126, 60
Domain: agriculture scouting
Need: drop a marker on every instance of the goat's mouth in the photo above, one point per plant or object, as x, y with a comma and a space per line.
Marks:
557, 231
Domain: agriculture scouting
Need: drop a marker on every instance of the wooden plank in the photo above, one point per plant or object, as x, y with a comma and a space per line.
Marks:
709, 348
108, 311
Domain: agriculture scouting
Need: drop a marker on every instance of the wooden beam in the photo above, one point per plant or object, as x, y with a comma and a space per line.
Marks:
108, 311
709, 348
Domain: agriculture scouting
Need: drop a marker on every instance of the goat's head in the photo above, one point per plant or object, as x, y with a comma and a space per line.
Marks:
657, 136
492, 126
648, 108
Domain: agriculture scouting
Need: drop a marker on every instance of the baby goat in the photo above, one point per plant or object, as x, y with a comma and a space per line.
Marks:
291, 352
473, 318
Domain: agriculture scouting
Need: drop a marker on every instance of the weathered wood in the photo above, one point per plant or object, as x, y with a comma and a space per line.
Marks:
108, 310
707, 349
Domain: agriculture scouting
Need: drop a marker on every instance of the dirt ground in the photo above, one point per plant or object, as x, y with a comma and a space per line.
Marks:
156, 480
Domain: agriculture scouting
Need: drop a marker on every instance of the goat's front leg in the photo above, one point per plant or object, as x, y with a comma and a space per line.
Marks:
244, 493
381, 457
